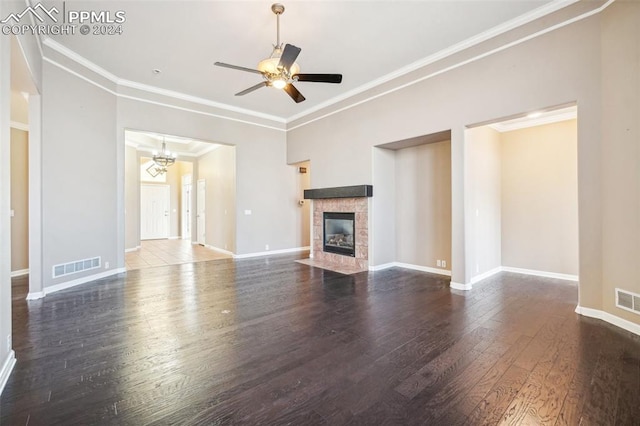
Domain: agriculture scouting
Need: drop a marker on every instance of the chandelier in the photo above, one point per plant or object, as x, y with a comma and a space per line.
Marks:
161, 160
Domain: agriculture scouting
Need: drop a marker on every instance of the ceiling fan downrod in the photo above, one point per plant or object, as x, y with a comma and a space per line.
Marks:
278, 9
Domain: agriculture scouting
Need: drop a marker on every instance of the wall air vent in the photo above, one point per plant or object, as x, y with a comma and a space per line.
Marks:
77, 266
628, 301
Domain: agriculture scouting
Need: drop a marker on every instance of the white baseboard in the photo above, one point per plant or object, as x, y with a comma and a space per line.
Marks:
411, 266
540, 273
459, 286
129, 250
486, 274
218, 249
610, 318
83, 280
382, 267
175, 238
7, 367
423, 268
271, 252
19, 273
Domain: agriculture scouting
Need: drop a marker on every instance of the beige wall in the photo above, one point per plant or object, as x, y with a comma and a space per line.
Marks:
484, 169
620, 153
19, 200
540, 199
423, 204
218, 169
303, 224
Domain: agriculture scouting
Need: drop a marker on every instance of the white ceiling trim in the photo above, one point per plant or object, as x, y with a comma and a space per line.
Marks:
507, 26
210, 114
465, 44
65, 51
197, 100
535, 14
457, 65
77, 74
134, 98
81, 60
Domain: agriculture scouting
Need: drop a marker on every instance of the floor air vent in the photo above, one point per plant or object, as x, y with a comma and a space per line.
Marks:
77, 266
628, 300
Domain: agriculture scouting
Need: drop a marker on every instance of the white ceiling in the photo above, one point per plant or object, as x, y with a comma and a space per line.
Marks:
363, 40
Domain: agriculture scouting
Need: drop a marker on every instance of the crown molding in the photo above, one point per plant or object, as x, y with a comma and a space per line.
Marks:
473, 41
458, 47
197, 100
455, 65
81, 60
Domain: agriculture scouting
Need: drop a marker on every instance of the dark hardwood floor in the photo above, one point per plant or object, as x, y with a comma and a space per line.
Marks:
269, 341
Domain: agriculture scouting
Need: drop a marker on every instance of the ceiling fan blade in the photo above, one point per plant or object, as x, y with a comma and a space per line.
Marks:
294, 93
288, 56
320, 78
236, 67
252, 88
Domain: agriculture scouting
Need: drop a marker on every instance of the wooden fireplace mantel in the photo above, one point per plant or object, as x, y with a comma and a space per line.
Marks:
339, 192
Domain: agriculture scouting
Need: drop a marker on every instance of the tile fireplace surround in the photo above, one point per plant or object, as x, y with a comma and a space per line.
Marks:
350, 199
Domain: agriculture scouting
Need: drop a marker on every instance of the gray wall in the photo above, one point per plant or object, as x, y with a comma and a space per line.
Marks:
423, 204
382, 213
620, 153
485, 195
552, 69
218, 169
6, 353
131, 198
79, 177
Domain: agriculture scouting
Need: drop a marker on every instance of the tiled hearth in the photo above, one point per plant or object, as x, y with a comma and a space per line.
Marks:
337, 262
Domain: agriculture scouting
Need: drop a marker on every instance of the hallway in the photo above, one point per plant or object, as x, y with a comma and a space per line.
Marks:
169, 252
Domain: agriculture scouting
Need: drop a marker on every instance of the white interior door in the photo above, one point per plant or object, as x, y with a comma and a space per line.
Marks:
154, 212
200, 211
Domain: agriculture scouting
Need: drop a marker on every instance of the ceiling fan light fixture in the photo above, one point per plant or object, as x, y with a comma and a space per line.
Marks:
270, 66
279, 83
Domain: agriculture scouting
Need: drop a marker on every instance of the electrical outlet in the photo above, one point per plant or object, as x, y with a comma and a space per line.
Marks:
9, 341
106, 265
266, 246
444, 263
438, 262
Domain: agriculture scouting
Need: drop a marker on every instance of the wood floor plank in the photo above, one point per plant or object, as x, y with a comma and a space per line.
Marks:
271, 341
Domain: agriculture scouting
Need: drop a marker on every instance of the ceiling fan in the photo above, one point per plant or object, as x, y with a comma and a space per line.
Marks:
280, 70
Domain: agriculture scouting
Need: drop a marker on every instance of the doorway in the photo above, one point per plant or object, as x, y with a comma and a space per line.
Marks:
154, 212
186, 207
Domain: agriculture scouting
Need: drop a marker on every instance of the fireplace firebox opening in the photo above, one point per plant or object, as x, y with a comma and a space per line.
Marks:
339, 235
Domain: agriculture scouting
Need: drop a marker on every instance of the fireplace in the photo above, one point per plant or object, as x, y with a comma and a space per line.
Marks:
338, 233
